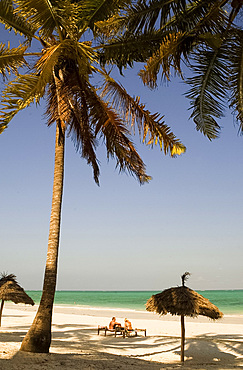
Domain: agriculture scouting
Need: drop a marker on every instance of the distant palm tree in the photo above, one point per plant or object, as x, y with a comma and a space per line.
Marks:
205, 35
59, 71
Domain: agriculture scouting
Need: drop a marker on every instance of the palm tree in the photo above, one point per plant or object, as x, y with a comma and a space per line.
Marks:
59, 72
205, 35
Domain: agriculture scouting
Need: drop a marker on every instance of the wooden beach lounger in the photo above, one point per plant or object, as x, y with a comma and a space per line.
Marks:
106, 329
121, 331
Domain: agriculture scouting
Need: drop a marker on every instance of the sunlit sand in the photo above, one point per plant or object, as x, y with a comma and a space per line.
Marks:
76, 345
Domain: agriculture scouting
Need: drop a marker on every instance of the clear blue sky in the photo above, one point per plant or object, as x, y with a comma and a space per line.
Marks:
121, 235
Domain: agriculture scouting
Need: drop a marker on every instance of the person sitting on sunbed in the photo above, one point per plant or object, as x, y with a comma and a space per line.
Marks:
114, 324
128, 325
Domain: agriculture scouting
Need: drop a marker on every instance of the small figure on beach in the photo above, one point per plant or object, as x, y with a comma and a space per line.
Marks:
128, 325
114, 324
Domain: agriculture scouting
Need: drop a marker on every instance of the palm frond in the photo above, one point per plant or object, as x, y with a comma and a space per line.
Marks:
28, 88
178, 35
69, 14
235, 45
180, 16
19, 94
125, 50
144, 16
152, 129
59, 55
11, 59
2, 128
72, 110
15, 21
119, 145
108, 28
174, 49
166, 57
87, 117
199, 17
110, 127
93, 11
44, 14
208, 90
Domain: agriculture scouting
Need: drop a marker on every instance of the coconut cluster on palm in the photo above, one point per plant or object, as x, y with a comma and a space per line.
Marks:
10, 290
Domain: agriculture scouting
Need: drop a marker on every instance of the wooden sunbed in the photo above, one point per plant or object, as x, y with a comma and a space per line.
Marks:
113, 331
122, 331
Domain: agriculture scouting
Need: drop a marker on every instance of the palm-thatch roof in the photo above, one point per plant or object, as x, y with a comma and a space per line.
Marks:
6, 277
12, 291
182, 301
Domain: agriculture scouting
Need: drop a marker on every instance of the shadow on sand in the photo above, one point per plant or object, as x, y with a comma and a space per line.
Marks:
79, 347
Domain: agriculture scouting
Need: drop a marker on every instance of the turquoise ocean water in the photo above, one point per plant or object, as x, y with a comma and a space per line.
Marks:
228, 301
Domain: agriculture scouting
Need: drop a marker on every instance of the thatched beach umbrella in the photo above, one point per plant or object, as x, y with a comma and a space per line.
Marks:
10, 290
182, 301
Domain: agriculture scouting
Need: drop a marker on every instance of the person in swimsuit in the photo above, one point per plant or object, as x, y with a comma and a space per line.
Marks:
114, 324
128, 325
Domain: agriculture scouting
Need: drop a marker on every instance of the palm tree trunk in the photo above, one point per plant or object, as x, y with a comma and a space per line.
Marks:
38, 338
1, 311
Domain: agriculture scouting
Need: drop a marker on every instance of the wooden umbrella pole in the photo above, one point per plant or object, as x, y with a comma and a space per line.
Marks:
1, 310
182, 337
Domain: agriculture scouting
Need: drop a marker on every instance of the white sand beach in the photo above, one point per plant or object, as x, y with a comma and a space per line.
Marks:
76, 345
